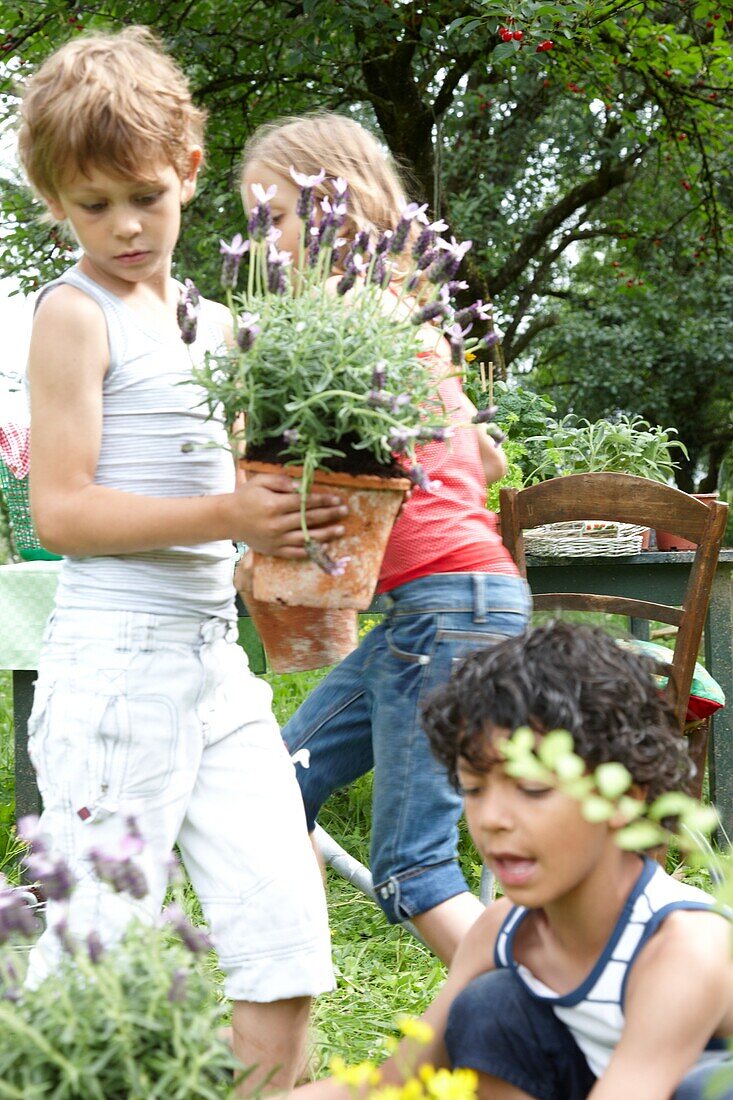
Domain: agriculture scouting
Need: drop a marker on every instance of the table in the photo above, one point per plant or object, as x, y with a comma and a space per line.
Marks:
27, 590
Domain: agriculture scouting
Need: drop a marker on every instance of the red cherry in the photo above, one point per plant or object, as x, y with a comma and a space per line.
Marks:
687, 186
518, 36
545, 45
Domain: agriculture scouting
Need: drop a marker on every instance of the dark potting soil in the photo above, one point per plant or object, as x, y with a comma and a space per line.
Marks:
353, 462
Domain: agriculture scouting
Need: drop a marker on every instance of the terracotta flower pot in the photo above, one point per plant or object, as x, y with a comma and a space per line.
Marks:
297, 639
668, 541
373, 506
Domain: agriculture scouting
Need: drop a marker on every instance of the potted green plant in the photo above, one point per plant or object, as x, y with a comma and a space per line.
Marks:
627, 445
574, 445
328, 376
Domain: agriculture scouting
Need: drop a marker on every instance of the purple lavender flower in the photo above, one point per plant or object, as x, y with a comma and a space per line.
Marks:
435, 435
483, 416
247, 330
381, 274
232, 254
174, 871
427, 259
361, 241
260, 219
496, 434
334, 215
477, 311
418, 477
383, 243
335, 567
490, 339
304, 206
117, 869
378, 399
314, 246
455, 286
427, 236
345, 283
354, 264
29, 831
16, 914
64, 936
95, 947
195, 939
277, 282
9, 980
399, 439
379, 375
455, 336
410, 211
54, 878
445, 267
187, 312
178, 987
400, 401
439, 307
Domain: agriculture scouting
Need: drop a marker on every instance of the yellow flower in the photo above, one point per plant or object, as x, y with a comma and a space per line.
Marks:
390, 1044
412, 1090
387, 1092
354, 1076
470, 356
460, 1084
415, 1029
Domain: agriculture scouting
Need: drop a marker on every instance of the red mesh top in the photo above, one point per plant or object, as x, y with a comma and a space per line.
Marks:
449, 530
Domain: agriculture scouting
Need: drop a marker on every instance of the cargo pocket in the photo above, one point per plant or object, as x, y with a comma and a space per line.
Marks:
61, 745
136, 740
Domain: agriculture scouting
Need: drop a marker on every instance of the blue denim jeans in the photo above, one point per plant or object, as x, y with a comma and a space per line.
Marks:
496, 1026
366, 714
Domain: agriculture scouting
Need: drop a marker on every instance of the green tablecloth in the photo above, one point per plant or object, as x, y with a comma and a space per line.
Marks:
27, 594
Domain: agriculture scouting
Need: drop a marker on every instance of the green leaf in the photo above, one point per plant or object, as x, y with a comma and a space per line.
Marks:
554, 746
612, 779
640, 835
596, 809
569, 766
671, 804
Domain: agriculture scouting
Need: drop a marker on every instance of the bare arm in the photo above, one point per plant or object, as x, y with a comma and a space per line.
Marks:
493, 458
679, 991
67, 363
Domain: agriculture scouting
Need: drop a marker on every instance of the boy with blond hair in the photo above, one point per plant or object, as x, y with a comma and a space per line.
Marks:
144, 705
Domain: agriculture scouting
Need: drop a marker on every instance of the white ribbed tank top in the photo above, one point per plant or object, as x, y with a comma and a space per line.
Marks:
157, 440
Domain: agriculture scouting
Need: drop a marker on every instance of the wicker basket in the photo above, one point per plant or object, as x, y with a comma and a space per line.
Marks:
15, 491
584, 539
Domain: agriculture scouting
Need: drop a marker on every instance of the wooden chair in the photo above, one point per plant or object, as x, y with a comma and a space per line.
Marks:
626, 499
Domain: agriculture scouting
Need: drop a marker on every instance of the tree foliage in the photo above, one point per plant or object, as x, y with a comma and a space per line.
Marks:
535, 127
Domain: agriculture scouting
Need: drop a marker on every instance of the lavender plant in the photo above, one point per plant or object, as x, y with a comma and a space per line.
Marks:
323, 369
131, 1022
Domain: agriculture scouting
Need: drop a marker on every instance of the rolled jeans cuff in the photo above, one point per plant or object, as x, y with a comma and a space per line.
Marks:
410, 893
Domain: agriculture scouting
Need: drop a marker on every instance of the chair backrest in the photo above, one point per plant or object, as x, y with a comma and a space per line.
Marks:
626, 499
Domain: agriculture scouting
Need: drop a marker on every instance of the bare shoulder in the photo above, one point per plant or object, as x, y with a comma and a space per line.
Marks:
68, 328
691, 936
689, 942
69, 308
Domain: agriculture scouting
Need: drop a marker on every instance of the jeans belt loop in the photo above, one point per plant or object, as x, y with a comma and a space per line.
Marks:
479, 598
